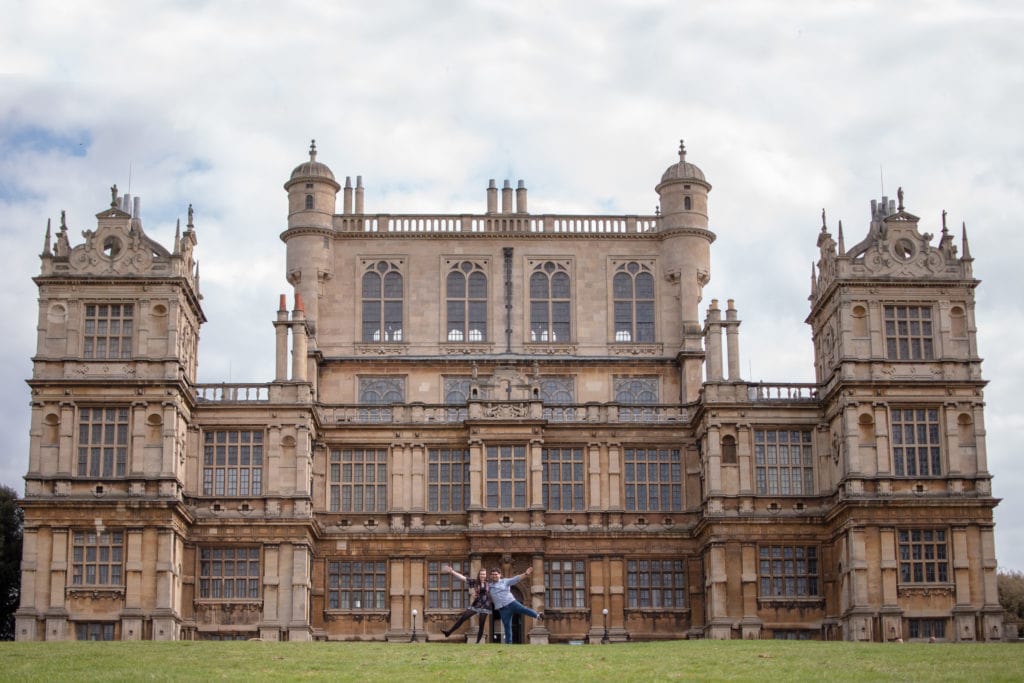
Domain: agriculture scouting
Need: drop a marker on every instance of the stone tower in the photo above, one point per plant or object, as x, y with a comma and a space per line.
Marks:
683, 205
112, 404
900, 383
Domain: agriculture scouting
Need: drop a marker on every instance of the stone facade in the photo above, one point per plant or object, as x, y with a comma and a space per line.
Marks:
513, 390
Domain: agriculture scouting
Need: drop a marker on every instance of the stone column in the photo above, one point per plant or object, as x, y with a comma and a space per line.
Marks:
713, 341
732, 337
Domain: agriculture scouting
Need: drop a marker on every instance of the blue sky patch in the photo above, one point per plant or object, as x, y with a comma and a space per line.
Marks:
41, 140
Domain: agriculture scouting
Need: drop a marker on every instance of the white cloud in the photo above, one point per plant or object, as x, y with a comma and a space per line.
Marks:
787, 110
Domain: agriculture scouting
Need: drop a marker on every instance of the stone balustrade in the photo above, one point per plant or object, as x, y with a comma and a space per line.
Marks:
497, 223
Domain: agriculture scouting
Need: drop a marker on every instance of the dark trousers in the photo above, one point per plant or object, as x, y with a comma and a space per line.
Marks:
506, 612
466, 615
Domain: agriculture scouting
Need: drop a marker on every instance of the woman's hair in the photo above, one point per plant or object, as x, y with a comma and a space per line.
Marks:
482, 571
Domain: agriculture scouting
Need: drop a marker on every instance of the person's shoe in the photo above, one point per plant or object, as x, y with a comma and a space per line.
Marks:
446, 633
540, 616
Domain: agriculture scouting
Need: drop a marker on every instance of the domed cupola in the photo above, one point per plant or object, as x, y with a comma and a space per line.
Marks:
312, 193
683, 192
684, 170
312, 170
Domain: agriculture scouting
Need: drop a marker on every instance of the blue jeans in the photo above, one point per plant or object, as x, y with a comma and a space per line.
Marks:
506, 612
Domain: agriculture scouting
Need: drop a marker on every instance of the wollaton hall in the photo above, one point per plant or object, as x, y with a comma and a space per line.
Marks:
507, 389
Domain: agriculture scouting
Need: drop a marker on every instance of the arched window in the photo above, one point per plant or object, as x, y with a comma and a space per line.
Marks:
550, 303
633, 294
309, 201
687, 203
466, 290
382, 303
729, 450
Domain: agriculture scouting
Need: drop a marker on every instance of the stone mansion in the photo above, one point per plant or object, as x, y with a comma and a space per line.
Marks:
512, 390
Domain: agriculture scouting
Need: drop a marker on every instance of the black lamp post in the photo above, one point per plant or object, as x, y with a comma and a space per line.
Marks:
604, 638
413, 639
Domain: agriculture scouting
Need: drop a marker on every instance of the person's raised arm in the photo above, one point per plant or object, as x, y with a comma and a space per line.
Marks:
519, 577
460, 577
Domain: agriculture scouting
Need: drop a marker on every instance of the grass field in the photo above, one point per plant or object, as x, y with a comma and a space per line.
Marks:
699, 660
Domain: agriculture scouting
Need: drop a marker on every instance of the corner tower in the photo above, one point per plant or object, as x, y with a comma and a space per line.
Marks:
900, 382
312, 197
683, 205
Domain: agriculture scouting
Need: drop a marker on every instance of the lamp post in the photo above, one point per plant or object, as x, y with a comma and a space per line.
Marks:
604, 638
413, 639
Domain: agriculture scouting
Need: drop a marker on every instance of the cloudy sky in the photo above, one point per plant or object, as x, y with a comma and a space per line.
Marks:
787, 107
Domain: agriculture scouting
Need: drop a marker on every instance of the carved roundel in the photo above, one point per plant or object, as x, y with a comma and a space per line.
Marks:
904, 249
112, 246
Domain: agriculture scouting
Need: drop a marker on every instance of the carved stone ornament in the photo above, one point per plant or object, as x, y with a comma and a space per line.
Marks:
926, 591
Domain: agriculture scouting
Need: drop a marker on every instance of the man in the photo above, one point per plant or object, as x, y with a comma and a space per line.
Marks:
506, 604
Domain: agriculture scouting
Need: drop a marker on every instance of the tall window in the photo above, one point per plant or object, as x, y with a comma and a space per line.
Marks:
97, 558
229, 573
565, 584
466, 288
550, 303
923, 556
633, 294
382, 303
108, 331
444, 591
506, 477
655, 583
356, 585
94, 630
102, 442
447, 480
233, 463
359, 480
908, 332
788, 571
915, 442
654, 479
563, 479
783, 462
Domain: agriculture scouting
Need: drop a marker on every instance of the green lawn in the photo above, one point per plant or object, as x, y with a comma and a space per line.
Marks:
697, 660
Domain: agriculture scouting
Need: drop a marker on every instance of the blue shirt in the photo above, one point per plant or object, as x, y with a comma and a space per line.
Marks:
501, 592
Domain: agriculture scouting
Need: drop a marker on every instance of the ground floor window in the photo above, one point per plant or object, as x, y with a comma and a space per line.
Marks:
926, 628
788, 571
566, 584
923, 556
444, 590
94, 631
356, 585
783, 634
229, 573
655, 583
226, 636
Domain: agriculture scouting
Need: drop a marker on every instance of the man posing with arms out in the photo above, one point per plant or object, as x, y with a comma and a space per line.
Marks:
506, 604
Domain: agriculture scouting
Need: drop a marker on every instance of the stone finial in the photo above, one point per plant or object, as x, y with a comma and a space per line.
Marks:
312, 150
943, 220
682, 152
823, 225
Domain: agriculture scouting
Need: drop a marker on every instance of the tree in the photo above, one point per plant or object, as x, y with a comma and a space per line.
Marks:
12, 519
1011, 593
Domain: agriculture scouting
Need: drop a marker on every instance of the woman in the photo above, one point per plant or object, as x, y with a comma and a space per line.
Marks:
480, 602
